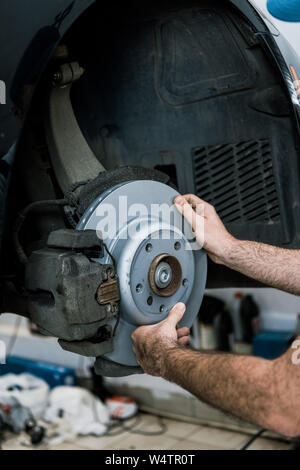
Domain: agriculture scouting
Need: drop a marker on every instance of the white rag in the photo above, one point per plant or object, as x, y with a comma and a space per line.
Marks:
85, 413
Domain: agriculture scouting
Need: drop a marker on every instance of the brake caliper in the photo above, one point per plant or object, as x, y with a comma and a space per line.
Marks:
71, 294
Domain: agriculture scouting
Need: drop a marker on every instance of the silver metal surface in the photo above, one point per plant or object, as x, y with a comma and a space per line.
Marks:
157, 234
163, 275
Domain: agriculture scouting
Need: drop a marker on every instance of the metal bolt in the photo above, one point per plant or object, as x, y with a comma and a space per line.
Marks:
184, 282
57, 77
177, 246
163, 275
162, 308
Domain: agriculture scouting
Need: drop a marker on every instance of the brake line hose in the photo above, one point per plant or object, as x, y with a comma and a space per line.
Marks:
69, 200
21, 219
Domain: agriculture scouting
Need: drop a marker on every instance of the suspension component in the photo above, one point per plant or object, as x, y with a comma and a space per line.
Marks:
71, 295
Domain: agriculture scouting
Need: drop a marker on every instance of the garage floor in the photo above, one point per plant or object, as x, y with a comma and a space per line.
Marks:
177, 435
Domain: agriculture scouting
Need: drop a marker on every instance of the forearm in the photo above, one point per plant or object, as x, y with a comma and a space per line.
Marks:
268, 264
263, 392
241, 385
274, 266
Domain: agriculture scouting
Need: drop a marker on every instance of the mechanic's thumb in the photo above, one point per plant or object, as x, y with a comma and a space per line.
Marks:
176, 314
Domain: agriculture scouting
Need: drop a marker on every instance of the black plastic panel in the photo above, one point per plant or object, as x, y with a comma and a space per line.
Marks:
238, 180
184, 72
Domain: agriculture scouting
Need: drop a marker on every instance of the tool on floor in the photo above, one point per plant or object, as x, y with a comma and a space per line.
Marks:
18, 418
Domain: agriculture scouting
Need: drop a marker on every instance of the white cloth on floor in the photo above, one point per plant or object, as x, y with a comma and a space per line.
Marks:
30, 391
85, 412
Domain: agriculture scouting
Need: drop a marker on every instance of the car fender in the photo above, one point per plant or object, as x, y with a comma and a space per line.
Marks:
30, 32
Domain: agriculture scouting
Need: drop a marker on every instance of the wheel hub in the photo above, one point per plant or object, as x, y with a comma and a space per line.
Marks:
156, 264
165, 275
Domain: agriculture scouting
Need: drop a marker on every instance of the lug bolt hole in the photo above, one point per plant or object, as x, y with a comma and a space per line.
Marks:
149, 247
185, 282
177, 246
162, 308
139, 288
150, 300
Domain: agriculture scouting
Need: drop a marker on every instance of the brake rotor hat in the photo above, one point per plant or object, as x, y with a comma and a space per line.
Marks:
165, 275
158, 261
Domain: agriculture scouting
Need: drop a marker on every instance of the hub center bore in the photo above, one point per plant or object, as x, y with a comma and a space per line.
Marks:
165, 275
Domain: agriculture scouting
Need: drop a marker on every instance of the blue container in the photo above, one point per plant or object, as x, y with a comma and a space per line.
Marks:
285, 10
272, 344
53, 374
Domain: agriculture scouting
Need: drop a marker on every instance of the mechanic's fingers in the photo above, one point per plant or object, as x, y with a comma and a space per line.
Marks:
183, 332
201, 207
188, 198
184, 341
176, 314
191, 199
188, 213
194, 217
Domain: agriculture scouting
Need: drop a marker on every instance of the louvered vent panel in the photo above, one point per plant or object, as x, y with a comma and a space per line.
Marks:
238, 180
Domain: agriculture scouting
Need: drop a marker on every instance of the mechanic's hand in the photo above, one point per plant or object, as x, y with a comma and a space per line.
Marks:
150, 343
209, 229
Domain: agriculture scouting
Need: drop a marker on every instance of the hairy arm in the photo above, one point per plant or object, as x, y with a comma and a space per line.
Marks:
265, 393
271, 265
277, 267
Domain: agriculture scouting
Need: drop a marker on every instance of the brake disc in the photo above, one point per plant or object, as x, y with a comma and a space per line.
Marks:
155, 255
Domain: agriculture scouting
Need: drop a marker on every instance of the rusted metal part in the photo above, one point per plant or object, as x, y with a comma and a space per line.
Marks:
109, 293
176, 270
67, 74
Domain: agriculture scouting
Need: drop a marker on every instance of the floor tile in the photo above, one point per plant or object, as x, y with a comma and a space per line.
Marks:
17, 442
14, 445
268, 444
219, 437
139, 442
190, 445
147, 422
178, 436
67, 446
180, 429
99, 443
